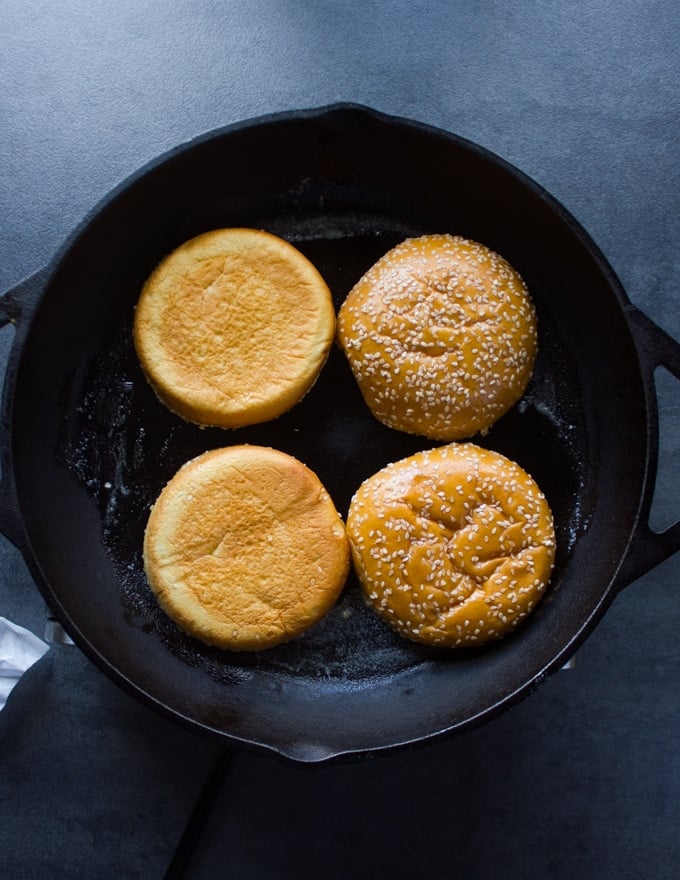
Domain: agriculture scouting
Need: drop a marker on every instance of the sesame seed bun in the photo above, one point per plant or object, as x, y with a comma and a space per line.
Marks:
453, 546
233, 327
244, 548
440, 334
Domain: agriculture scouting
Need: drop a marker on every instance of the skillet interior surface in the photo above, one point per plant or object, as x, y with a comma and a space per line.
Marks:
92, 447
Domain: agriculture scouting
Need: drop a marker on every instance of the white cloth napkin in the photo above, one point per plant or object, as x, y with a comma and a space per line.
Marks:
19, 650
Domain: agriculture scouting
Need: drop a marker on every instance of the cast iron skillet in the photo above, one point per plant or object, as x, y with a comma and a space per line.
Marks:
87, 447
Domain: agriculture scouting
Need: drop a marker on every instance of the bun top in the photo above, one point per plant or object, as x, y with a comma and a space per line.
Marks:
244, 548
453, 546
441, 336
233, 327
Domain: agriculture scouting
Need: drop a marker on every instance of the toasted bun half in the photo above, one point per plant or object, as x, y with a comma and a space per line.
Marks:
453, 546
441, 337
244, 548
233, 327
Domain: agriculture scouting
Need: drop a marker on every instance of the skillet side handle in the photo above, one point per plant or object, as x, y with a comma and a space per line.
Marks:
649, 548
16, 307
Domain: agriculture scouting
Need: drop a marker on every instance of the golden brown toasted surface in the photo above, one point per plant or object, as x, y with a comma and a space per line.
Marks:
441, 337
244, 548
453, 546
233, 327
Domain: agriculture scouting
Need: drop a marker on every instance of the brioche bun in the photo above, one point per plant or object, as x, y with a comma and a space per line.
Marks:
233, 327
453, 546
244, 548
440, 334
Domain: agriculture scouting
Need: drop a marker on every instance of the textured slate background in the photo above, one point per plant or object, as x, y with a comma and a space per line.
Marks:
583, 778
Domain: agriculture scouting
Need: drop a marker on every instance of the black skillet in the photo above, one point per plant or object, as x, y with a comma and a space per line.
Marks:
87, 447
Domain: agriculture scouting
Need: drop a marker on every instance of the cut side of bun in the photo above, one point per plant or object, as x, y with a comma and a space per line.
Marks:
233, 327
244, 548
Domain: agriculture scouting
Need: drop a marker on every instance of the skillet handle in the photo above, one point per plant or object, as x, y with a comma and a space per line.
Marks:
649, 548
16, 307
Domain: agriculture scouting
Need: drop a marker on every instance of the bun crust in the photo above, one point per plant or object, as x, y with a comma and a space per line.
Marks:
244, 548
233, 327
440, 334
453, 546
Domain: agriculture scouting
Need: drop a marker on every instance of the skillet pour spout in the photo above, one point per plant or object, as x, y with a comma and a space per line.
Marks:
87, 447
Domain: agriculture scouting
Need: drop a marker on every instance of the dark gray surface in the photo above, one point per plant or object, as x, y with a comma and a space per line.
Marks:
583, 778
